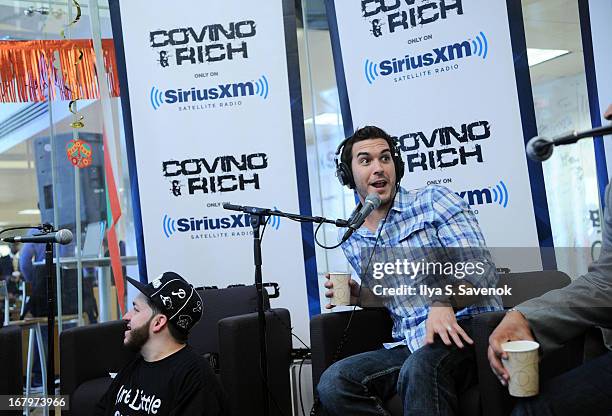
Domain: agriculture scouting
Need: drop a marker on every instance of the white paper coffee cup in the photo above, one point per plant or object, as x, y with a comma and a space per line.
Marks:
342, 292
522, 364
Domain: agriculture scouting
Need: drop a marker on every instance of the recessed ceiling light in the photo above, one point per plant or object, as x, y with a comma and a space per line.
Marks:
29, 212
537, 56
14, 164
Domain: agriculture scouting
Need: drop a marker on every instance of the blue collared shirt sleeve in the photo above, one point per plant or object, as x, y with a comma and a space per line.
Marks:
458, 228
430, 217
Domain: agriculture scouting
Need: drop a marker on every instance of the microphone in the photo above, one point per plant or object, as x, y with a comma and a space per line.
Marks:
61, 237
370, 204
353, 215
232, 207
541, 148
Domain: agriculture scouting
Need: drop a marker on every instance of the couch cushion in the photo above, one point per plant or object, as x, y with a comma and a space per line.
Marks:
219, 304
87, 395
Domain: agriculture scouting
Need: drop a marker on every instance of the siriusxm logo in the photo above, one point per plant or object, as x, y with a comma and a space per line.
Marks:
193, 224
479, 46
496, 194
184, 225
158, 97
274, 221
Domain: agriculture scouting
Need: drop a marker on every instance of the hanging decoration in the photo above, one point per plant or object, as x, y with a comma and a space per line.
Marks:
27, 70
76, 19
77, 123
79, 153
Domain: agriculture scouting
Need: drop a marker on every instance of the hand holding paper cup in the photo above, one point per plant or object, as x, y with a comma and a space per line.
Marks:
522, 364
341, 289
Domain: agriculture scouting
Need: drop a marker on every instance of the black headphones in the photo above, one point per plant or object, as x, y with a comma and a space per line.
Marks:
344, 173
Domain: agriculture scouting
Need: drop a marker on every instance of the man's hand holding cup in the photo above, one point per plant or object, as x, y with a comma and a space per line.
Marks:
341, 290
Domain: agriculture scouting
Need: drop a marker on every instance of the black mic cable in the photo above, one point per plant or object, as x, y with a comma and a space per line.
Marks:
25, 227
344, 338
357, 218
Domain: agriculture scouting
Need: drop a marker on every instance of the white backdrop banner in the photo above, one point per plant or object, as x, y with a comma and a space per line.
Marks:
595, 17
213, 114
441, 77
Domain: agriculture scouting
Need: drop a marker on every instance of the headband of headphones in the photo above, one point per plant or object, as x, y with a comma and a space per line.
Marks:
344, 172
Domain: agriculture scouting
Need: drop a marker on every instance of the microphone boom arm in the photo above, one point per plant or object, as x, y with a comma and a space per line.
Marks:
574, 136
277, 213
541, 148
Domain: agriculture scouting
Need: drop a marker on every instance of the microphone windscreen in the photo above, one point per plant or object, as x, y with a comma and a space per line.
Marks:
539, 149
373, 199
63, 236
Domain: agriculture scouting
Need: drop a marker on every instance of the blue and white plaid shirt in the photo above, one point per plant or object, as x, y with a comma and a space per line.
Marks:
433, 216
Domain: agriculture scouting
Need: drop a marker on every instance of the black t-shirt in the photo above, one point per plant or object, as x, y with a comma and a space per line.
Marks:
180, 384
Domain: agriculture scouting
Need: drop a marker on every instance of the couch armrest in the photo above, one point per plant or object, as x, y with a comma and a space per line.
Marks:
240, 366
494, 398
92, 351
11, 381
368, 330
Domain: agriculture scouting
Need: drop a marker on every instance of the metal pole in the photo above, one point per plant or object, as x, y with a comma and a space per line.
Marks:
256, 221
50, 319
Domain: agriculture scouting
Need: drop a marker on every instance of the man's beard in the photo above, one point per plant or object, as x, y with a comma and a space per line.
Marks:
138, 337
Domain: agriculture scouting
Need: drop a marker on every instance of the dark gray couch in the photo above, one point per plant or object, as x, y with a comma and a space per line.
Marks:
227, 334
370, 328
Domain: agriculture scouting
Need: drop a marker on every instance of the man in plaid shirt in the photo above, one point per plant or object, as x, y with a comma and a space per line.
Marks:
429, 363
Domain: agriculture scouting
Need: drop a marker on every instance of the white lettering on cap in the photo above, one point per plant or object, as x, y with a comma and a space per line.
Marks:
157, 282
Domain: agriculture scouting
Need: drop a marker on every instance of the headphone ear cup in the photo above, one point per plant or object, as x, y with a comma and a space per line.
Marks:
345, 176
349, 175
340, 176
397, 160
399, 167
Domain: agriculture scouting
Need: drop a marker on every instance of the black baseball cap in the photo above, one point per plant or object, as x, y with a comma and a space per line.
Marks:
175, 297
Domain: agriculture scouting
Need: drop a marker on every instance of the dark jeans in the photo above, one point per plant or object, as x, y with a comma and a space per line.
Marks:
429, 381
585, 390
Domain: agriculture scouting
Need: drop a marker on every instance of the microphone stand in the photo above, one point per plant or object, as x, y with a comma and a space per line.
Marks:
258, 217
51, 302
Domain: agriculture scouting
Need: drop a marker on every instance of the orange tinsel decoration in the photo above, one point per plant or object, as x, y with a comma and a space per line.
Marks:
27, 71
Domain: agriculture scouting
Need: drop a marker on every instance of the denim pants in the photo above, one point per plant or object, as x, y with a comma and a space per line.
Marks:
429, 381
585, 390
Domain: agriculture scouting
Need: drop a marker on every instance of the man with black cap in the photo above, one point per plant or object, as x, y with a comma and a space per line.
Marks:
168, 377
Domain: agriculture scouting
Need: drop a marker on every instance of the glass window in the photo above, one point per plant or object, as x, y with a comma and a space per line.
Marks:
39, 184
